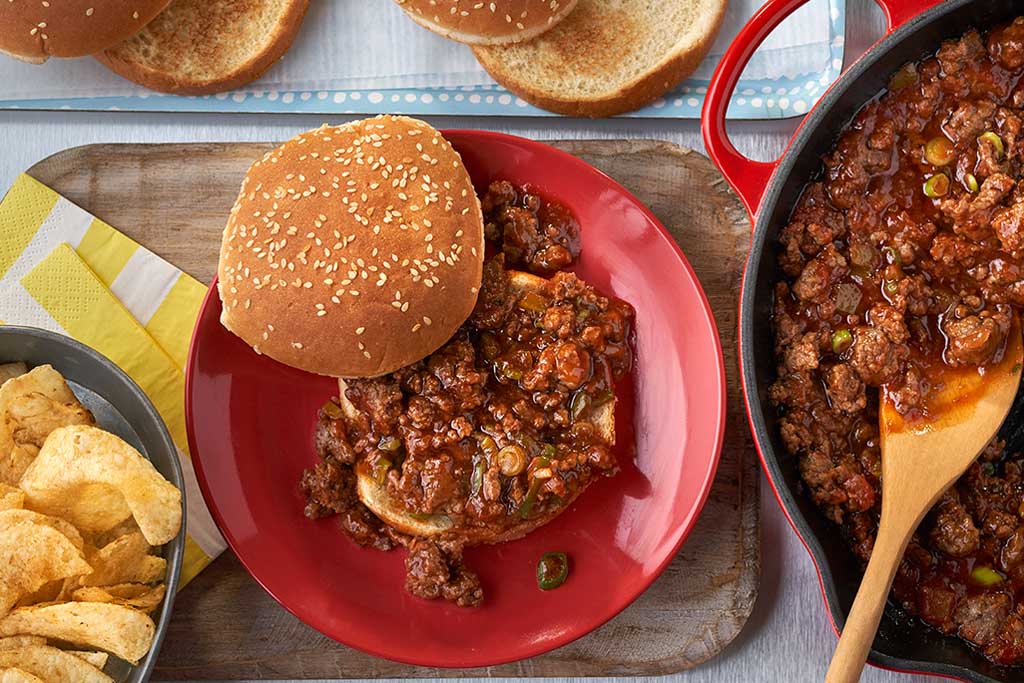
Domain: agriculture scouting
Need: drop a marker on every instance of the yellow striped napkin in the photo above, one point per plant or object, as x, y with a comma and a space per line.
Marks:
64, 270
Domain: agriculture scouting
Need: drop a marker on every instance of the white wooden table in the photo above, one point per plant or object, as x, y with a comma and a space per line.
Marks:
788, 638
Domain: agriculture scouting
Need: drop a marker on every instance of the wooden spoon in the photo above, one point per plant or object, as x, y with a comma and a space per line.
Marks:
921, 459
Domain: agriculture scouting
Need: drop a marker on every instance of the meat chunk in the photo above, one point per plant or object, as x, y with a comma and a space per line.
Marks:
825, 480
496, 298
980, 617
846, 390
1006, 44
329, 488
954, 532
971, 214
1011, 557
331, 441
956, 55
860, 495
935, 604
875, 357
433, 573
804, 354
538, 236
819, 274
890, 321
976, 339
380, 399
1007, 647
913, 295
1008, 224
970, 119
1001, 525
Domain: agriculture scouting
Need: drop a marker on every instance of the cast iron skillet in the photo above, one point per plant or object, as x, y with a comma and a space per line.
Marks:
770, 191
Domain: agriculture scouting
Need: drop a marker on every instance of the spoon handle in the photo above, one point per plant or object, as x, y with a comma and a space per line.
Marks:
862, 624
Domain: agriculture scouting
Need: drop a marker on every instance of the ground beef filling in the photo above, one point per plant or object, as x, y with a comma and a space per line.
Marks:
493, 430
908, 255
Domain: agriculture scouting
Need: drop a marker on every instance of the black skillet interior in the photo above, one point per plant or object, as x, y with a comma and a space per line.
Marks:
902, 642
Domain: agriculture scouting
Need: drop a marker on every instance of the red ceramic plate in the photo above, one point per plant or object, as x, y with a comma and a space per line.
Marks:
251, 423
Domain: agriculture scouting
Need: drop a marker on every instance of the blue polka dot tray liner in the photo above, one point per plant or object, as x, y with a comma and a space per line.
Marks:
366, 57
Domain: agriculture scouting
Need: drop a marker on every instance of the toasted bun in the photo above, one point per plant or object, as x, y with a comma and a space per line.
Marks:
496, 22
199, 47
376, 498
608, 56
354, 250
33, 30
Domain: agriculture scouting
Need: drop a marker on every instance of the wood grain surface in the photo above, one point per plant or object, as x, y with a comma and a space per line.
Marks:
174, 200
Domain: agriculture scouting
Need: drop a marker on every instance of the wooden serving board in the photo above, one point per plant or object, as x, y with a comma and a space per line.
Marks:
174, 199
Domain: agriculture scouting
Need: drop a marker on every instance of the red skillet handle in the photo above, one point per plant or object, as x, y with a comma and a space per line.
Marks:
899, 12
750, 178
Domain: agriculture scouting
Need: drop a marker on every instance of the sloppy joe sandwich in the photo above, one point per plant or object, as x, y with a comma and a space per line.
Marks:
477, 373
353, 250
497, 432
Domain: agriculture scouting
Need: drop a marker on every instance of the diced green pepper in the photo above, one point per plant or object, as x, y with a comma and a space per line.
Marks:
996, 142
841, 341
390, 444
512, 460
380, 470
985, 577
937, 186
939, 151
533, 302
531, 499
332, 410
476, 483
579, 405
552, 570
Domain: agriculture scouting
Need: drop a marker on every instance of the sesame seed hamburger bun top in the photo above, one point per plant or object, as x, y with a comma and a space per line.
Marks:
354, 250
33, 30
488, 22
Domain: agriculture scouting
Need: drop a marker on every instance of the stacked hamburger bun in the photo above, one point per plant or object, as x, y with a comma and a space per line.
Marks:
353, 250
590, 58
188, 47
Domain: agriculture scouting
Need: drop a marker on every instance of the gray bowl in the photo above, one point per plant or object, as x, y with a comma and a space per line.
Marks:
122, 408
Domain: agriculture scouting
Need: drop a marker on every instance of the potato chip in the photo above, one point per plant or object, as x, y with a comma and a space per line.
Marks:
97, 659
50, 592
18, 676
136, 595
106, 537
14, 642
152, 570
31, 407
127, 591
80, 465
32, 555
122, 631
116, 562
12, 517
12, 370
51, 664
11, 498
